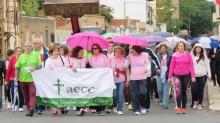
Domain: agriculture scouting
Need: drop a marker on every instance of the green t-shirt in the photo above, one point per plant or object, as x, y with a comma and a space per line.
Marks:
87, 54
38, 52
24, 61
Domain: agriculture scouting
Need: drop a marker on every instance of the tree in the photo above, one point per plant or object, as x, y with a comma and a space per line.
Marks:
165, 12
31, 7
106, 12
196, 15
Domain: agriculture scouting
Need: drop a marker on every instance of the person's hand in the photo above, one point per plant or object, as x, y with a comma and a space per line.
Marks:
213, 56
193, 80
209, 78
128, 57
169, 80
74, 70
158, 71
127, 84
32, 69
146, 71
6, 83
16, 79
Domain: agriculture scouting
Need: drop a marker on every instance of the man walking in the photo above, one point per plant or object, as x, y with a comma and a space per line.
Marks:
27, 63
43, 55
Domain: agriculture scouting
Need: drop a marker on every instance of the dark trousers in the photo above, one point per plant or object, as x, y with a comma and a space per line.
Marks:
218, 77
181, 83
98, 108
213, 73
148, 87
197, 89
154, 89
128, 97
8, 92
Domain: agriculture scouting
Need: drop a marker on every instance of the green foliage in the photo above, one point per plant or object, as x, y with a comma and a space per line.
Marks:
106, 12
197, 13
31, 7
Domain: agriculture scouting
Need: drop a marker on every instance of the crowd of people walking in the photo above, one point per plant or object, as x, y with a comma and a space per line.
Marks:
139, 74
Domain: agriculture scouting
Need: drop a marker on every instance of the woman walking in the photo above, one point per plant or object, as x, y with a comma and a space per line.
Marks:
139, 68
162, 84
78, 61
202, 68
182, 70
98, 60
121, 78
55, 61
9, 81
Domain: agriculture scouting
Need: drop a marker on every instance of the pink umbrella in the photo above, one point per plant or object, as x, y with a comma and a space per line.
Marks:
130, 40
86, 40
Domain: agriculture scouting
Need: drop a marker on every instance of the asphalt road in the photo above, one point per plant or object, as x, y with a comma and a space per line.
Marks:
157, 115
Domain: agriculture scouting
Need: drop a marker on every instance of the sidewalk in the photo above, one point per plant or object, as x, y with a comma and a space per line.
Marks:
213, 97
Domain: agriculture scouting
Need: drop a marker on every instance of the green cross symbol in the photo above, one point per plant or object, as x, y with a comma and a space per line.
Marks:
58, 86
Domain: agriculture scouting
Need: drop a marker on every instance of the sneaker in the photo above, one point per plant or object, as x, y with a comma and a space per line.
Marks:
129, 107
9, 106
15, 108
200, 107
183, 110
93, 110
147, 110
39, 112
102, 113
20, 109
115, 110
119, 113
66, 110
126, 103
109, 111
31, 112
178, 110
195, 104
81, 112
62, 110
143, 110
55, 112
165, 107
137, 113
161, 103
74, 108
175, 108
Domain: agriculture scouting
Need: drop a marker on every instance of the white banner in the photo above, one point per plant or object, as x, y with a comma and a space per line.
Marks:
62, 87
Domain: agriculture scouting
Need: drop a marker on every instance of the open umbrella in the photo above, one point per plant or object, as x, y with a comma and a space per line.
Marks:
130, 40
86, 40
111, 35
186, 37
163, 34
215, 37
206, 42
154, 39
137, 35
172, 42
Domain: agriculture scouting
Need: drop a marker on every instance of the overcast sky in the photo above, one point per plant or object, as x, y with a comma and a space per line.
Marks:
133, 10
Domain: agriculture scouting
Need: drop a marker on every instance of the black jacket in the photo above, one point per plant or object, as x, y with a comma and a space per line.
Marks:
211, 52
2, 71
217, 62
153, 56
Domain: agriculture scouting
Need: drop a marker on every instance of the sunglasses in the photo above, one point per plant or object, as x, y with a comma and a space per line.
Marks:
94, 48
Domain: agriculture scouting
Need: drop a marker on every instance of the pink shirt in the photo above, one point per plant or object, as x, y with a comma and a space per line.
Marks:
119, 64
138, 66
182, 65
53, 63
78, 63
111, 56
67, 58
164, 61
99, 61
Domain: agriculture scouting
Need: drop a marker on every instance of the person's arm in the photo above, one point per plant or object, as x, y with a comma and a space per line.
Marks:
191, 65
154, 58
172, 67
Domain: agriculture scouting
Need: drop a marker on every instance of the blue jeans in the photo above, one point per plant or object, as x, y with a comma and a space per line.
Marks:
20, 94
163, 91
138, 93
0, 97
118, 95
